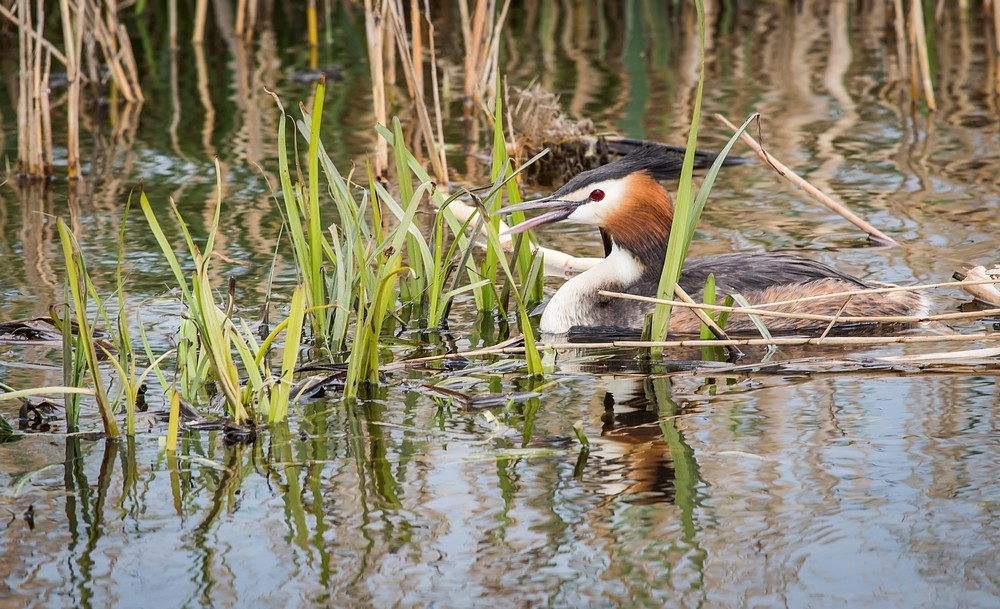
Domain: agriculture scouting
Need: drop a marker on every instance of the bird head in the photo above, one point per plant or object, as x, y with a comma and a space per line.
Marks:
624, 198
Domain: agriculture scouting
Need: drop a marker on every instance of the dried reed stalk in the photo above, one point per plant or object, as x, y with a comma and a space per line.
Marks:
251, 24
410, 70
885, 290
72, 22
438, 109
699, 312
996, 42
45, 110
417, 45
31, 103
4, 12
814, 192
887, 319
241, 16
481, 36
200, 15
172, 22
899, 23
830, 341
920, 40
375, 32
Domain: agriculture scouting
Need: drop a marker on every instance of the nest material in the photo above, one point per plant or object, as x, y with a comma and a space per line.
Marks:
575, 145
539, 123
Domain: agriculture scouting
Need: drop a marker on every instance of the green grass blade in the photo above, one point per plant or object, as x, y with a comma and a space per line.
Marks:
293, 337
709, 299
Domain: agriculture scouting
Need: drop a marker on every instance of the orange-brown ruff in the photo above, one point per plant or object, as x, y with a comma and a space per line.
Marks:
634, 213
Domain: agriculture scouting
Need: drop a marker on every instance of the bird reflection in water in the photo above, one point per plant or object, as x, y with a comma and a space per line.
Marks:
634, 457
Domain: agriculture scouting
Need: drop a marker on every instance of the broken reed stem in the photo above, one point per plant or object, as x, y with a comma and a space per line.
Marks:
896, 319
920, 39
700, 313
814, 192
833, 321
831, 341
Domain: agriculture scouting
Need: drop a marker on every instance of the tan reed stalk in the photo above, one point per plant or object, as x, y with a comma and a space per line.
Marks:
831, 341
252, 18
389, 52
899, 23
241, 15
885, 290
438, 110
917, 17
996, 42
172, 22
417, 46
128, 59
14, 20
410, 73
375, 33
72, 22
890, 319
836, 317
45, 110
700, 313
200, 14
29, 94
37, 141
472, 32
22, 89
491, 59
107, 35
814, 192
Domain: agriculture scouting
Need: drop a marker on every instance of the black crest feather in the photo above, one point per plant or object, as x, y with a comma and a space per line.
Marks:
661, 161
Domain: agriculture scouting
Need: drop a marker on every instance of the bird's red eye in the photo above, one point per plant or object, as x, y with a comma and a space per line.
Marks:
597, 195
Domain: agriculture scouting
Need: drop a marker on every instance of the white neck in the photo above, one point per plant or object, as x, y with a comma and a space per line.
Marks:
572, 303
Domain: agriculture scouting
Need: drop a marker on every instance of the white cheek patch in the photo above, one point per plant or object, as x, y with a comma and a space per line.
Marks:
587, 214
596, 213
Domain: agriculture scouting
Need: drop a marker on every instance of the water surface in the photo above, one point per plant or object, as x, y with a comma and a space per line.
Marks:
793, 487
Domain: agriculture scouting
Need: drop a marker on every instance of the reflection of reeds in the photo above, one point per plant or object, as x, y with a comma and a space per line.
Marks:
912, 54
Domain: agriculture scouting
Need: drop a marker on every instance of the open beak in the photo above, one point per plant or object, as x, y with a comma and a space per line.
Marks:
560, 211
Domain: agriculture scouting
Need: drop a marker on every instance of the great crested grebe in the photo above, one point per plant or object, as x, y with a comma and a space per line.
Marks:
625, 199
